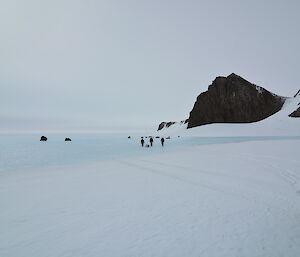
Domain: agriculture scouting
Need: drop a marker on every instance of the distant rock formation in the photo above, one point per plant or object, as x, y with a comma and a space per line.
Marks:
296, 113
68, 139
233, 99
170, 123
43, 138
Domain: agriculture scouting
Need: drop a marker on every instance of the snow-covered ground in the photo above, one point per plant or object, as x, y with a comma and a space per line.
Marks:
233, 199
218, 190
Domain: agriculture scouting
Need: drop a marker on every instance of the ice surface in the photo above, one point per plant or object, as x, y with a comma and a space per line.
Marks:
217, 190
218, 198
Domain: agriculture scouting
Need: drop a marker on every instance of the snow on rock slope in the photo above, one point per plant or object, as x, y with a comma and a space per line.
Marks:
296, 112
214, 200
279, 124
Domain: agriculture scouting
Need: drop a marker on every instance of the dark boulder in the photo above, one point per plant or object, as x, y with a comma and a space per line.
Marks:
43, 138
233, 99
68, 139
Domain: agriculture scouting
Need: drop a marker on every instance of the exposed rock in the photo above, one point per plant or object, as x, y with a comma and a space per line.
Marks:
233, 99
68, 139
165, 124
43, 138
298, 93
296, 113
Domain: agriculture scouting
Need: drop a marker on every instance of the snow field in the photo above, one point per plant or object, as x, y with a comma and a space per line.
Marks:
239, 199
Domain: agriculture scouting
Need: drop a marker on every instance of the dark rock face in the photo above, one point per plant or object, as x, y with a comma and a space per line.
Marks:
295, 114
43, 138
68, 139
170, 123
165, 125
233, 99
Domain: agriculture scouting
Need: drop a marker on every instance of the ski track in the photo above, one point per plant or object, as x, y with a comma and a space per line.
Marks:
215, 175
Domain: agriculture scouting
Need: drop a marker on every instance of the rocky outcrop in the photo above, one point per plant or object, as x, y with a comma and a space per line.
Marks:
295, 114
43, 138
164, 124
233, 99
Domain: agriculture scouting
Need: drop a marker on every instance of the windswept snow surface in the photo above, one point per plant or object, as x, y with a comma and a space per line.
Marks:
217, 190
219, 197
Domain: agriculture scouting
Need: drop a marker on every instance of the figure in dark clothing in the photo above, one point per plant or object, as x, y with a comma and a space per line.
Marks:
162, 140
142, 142
151, 141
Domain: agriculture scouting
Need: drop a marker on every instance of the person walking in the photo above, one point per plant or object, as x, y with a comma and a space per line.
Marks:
151, 141
142, 142
162, 140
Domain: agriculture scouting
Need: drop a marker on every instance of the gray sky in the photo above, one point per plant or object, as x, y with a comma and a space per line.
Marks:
69, 64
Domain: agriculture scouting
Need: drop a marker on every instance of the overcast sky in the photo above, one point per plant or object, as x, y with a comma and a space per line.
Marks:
91, 64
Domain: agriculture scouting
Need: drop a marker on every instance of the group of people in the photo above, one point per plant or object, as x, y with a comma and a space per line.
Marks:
162, 141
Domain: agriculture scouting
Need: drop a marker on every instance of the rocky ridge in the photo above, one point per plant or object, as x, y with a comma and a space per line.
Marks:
233, 99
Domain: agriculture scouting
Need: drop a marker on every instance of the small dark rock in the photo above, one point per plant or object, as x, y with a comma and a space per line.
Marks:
43, 138
68, 139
